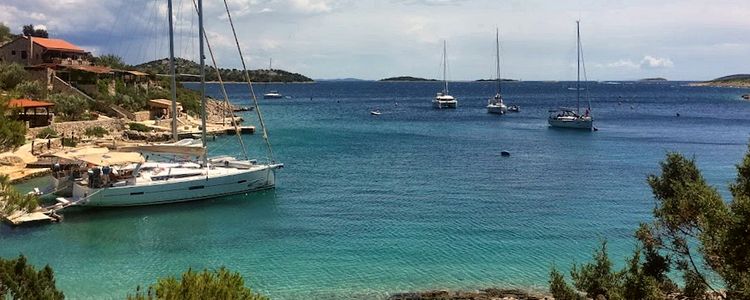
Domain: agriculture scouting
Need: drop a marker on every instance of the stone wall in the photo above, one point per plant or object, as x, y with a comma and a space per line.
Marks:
79, 127
143, 115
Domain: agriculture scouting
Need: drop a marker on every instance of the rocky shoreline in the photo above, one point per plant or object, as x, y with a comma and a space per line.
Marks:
727, 84
484, 294
20, 164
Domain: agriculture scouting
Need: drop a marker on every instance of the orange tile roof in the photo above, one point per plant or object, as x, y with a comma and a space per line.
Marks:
57, 44
28, 103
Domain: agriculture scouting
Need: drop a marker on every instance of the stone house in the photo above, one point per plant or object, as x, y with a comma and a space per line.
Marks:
30, 51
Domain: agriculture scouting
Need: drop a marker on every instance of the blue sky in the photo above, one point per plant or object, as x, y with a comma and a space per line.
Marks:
373, 39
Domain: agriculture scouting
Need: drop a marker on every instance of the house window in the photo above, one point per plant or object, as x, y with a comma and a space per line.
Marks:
13, 52
23, 54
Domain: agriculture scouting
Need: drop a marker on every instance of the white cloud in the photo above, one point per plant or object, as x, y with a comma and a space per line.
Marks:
623, 63
38, 16
650, 62
312, 6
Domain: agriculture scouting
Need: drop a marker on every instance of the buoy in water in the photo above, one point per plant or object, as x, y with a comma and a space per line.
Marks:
678, 114
505, 153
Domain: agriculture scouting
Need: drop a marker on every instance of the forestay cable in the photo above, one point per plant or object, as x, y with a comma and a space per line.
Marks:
250, 85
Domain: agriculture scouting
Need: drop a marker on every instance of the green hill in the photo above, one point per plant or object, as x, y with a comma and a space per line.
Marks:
184, 66
736, 81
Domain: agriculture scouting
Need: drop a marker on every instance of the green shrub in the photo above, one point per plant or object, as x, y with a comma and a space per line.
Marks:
219, 284
12, 132
47, 133
11, 74
30, 89
96, 131
694, 232
19, 280
138, 127
70, 107
69, 142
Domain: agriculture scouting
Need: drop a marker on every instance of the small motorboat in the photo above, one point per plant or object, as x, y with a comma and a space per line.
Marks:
273, 95
514, 108
375, 112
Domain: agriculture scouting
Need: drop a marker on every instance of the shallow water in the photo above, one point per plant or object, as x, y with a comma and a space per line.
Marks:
413, 199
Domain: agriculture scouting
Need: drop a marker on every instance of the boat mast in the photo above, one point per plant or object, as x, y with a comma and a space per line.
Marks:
497, 57
203, 81
578, 57
445, 65
172, 72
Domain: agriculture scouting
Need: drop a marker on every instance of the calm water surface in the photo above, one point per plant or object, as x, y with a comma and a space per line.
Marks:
413, 199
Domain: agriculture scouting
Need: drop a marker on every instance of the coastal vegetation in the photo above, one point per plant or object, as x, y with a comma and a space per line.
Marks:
47, 133
406, 78
736, 80
96, 131
11, 74
19, 280
184, 66
11, 200
138, 127
218, 284
653, 79
70, 107
12, 132
694, 232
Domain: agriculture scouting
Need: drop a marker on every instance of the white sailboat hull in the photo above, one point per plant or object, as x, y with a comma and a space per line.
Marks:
219, 182
573, 123
497, 109
440, 104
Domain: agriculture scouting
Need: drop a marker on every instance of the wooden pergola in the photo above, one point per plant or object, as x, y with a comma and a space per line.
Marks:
36, 113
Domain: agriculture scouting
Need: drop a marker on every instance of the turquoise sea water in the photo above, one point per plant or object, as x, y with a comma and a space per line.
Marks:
413, 199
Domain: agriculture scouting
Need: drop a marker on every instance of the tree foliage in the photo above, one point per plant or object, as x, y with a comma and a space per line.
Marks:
5, 34
19, 280
13, 200
694, 231
184, 66
12, 132
29, 30
11, 74
598, 280
70, 107
110, 60
31, 89
219, 284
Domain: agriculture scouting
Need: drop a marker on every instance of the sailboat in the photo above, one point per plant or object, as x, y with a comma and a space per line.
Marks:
443, 99
271, 94
567, 117
128, 179
495, 104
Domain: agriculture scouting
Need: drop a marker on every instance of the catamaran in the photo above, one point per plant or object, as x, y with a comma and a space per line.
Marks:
567, 117
495, 104
443, 99
185, 172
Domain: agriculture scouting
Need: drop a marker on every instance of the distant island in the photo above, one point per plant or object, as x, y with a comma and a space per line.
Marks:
654, 79
736, 81
494, 79
184, 66
406, 78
